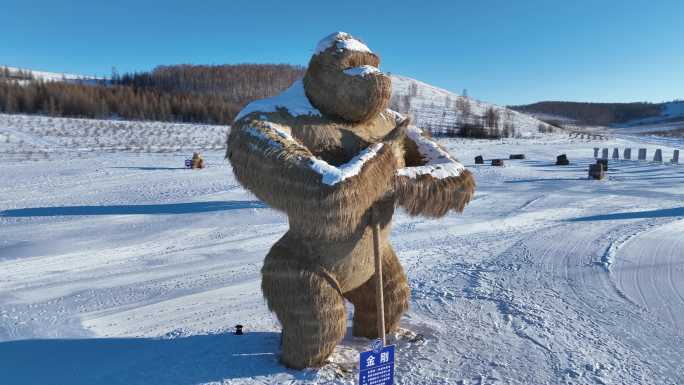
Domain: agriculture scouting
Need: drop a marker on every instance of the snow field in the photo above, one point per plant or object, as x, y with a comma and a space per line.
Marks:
24, 137
126, 268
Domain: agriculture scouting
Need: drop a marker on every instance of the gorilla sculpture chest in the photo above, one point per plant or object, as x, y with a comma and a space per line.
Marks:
326, 152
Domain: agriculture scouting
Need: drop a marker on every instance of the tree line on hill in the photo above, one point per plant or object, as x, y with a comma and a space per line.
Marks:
599, 114
185, 93
7, 74
211, 94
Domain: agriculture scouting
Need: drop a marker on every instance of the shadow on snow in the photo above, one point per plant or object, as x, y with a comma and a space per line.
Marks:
183, 360
160, 209
153, 168
662, 213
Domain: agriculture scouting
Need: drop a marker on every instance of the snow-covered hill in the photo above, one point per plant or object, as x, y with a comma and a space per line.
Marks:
440, 110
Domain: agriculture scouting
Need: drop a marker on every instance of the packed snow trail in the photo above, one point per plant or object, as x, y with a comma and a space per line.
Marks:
126, 268
650, 270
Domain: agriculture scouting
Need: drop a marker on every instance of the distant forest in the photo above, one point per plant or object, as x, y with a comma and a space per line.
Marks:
601, 114
185, 93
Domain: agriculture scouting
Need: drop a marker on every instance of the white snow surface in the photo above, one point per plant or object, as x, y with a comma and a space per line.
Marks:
24, 137
439, 164
333, 175
342, 41
125, 268
361, 70
293, 99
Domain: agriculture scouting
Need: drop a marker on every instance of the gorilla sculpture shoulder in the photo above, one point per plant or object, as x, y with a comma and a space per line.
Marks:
325, 152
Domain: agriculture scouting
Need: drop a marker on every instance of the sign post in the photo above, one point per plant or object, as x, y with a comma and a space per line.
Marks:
380, 302
377, 365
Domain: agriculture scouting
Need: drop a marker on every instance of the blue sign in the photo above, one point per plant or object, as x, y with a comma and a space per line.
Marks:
188, 163
377, 366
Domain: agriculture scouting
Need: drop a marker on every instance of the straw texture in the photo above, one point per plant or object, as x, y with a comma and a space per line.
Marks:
433, 197
309, 308
347, 97
279, 172
396, 298
326, 256
428, 195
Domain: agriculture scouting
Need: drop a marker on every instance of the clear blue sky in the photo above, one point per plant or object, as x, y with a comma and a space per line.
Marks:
507, 51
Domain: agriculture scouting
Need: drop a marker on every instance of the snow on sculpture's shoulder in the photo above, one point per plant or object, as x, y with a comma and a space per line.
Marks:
361, 71
333, 175
439, 164
342, 40
293, 99
273, 136
280, 134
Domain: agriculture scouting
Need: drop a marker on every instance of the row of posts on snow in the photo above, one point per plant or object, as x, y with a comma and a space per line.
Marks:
561, 160
598, 170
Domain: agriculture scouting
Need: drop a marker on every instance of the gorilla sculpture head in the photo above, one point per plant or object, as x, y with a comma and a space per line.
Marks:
344, 82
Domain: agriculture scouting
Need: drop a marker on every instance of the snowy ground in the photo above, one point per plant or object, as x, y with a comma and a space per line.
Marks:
125, 268
24, 137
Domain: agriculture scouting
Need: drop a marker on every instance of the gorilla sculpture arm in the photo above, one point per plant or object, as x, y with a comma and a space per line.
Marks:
282, 172
433, 182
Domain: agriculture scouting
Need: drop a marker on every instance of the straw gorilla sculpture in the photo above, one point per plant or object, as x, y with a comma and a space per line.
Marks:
328, 153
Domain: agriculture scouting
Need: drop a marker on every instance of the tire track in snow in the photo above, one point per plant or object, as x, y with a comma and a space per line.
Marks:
554, 249
646, 268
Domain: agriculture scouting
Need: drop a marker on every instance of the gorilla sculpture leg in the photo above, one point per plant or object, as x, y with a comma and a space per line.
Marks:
396, 297
310, 309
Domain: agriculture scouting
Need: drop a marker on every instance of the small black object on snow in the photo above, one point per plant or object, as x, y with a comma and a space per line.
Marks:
238, 330
479, 159
517, 156
562, 160
603, 162
596, 171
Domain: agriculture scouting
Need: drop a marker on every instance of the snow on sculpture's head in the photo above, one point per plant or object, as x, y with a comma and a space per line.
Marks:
343, 79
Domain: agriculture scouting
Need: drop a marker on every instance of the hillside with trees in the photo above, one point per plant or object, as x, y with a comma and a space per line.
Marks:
183, 93
444, 113
596, 114
214, 94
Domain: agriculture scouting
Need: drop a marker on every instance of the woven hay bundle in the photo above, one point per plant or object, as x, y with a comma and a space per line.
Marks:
310, 309
328, 173
197, 161
432, 197
396, 298
353, 98
428, 195
282, 177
